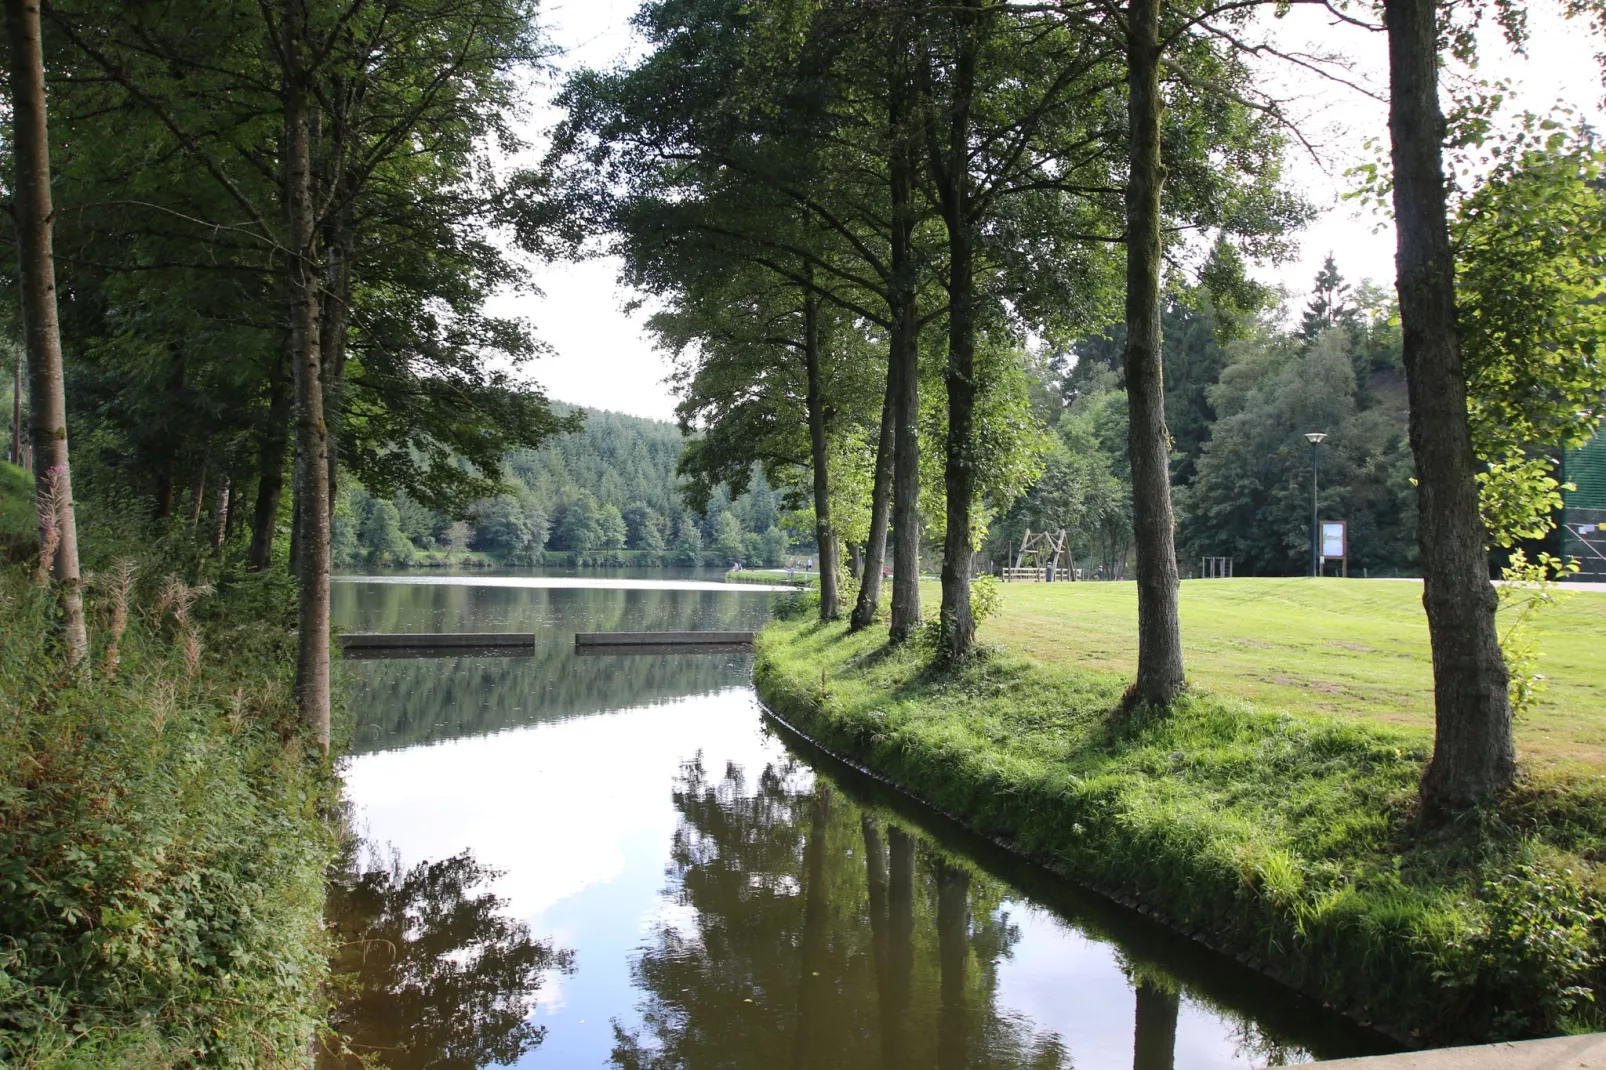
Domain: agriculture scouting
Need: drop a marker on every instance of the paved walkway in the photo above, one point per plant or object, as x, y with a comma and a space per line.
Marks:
1558, 1053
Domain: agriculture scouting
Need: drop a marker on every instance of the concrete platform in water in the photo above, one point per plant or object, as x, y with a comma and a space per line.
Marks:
1557, 1053
583, 640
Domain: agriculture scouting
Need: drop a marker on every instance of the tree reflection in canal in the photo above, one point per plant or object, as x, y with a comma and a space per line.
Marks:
430, 972
814, 934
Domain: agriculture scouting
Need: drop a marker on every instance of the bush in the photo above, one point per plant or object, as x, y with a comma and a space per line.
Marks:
163, 838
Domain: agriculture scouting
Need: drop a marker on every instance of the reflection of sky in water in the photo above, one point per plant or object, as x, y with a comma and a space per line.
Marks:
572, 801
577, 815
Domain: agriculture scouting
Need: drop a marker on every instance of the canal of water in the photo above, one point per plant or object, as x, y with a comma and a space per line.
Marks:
618, 861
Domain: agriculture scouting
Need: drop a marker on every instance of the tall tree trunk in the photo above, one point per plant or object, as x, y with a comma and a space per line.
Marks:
312, 457
875, 547
16, 415
220, 522
1474, 756
905, 355
333, 323
1148, 442
47, 394
953, 953
271, 447
951, 167
1154, 1043
824, 534
197, 493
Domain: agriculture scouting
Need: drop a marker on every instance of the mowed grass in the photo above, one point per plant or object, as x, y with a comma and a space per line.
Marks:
1355, 648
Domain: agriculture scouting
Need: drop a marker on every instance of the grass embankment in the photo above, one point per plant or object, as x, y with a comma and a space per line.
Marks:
163, 835
1287, 839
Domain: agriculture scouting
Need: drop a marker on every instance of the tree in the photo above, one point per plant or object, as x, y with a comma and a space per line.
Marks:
47, 398
1530, 244
580, 525
382, 537
611, 528
1474, 755
1329, 304
1160, 673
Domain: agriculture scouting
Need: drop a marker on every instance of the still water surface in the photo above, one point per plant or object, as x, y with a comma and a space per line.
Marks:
616, 861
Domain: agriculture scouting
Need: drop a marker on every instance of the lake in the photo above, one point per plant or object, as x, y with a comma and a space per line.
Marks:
619, 861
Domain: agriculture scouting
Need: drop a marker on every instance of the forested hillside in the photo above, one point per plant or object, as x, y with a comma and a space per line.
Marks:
606, 494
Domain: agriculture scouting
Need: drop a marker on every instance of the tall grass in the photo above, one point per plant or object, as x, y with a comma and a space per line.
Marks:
1291, 843
164, 832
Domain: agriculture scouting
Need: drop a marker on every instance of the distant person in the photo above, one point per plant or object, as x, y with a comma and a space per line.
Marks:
1101, 572
809, 566
886, 572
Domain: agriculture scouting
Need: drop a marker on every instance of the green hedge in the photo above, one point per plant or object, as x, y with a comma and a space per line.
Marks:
1289, 843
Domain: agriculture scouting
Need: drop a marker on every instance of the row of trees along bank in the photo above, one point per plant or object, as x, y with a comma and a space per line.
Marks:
856, 214
260, 233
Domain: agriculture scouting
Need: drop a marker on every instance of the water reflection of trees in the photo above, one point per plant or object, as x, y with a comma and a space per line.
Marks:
822, 938
404, 702
429, 970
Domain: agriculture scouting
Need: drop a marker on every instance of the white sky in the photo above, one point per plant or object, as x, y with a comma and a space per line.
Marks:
603, 359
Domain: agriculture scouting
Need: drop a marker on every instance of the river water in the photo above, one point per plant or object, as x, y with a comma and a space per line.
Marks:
617, 861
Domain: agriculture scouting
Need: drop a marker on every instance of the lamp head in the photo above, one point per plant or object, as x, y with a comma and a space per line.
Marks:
1316, 437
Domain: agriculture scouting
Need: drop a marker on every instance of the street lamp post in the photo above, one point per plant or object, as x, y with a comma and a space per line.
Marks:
1315, 439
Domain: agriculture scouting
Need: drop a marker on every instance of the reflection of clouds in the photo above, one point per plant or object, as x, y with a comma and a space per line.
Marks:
555, 806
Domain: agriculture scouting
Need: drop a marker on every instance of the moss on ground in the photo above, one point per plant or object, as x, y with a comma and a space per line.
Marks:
1287, 840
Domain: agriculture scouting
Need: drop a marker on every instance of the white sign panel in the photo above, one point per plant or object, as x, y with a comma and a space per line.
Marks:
1333, 538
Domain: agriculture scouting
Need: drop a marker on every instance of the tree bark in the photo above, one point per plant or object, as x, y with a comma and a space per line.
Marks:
197, 493
16, 415
905, 356
1160, 676
47, 394
312, 455
1474, 756
951, 167
875, 547
333, 324
220, 522
824, 534
271, 448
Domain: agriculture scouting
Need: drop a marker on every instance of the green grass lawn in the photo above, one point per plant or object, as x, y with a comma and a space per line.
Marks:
1329, 646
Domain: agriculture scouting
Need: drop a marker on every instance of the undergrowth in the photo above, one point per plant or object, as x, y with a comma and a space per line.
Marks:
1290, 842
164, 830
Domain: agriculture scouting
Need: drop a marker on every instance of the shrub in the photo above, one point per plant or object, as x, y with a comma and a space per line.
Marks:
162, 835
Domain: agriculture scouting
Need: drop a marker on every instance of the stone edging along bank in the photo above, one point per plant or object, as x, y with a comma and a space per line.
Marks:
1404, 955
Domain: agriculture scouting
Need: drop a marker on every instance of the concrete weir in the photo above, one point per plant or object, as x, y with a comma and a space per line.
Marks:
666, 640
399, 640
1557, 1053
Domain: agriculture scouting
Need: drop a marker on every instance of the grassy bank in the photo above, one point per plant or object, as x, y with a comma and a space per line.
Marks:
163, 835
1287, 840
